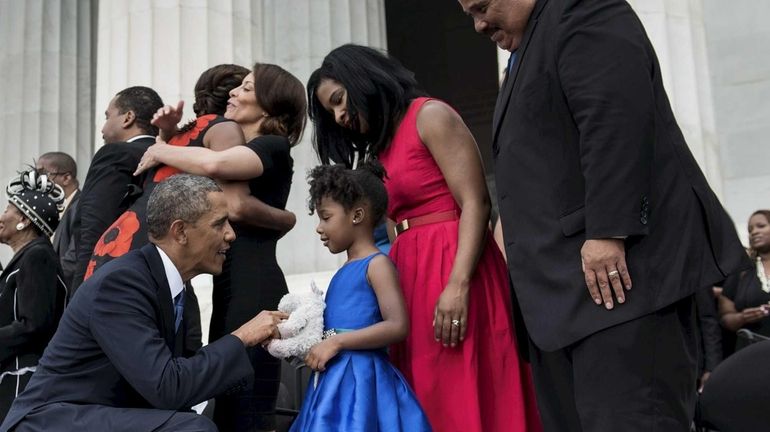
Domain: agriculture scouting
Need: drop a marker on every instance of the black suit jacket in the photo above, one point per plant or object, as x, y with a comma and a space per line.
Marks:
112, 364
586, 147
64, 242
109, 189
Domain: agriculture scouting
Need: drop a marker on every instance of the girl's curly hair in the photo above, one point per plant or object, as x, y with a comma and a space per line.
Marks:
347, 187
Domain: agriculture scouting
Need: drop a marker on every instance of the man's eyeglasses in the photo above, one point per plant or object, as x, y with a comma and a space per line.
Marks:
51, 175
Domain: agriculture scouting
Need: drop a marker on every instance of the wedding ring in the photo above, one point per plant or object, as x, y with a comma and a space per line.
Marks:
613, 273
456, 323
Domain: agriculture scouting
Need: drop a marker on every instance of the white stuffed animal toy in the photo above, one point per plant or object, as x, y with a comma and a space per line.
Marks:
305, 325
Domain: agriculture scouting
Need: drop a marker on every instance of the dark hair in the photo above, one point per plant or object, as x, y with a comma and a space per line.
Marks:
213, 88
282, 96
62, 162
379, 90
766, 214
363, 185
144, 102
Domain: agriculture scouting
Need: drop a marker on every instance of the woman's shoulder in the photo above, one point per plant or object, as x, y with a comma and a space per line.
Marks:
40, 248
270, 140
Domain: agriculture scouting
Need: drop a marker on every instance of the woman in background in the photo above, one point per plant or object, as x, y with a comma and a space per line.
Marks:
32, 291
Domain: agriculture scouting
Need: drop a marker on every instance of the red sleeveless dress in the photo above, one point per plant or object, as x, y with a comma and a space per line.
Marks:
480, 385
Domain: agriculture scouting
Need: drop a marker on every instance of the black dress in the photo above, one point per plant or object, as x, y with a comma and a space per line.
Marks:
32, 299
745, 290
252, 281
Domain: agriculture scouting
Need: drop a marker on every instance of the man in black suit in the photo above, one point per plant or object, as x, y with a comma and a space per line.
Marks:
62, 169
599, 193
110, 186
115, 362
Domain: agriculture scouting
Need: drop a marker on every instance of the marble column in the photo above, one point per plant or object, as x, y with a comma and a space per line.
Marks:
676, 29
46, 98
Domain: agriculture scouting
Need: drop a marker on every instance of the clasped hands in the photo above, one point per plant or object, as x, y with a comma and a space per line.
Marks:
605, 270
261, 328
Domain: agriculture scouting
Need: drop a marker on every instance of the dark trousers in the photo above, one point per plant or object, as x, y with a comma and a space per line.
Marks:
50, 420
737, 396
636, 376
187, 422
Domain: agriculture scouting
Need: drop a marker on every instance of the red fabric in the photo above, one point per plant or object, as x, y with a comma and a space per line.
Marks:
481, 385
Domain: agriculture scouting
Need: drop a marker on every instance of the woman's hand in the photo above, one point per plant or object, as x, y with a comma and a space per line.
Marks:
166, 119
321, 353
150, 157
450, 317
754, 314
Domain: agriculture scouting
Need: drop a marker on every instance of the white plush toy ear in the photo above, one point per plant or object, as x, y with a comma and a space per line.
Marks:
317, 291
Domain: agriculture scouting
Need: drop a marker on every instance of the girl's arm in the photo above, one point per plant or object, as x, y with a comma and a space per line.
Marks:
455, 151
242, 207
393, 328
734, 320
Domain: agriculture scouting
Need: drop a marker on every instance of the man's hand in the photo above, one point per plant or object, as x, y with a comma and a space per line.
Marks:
605, 270
260, 328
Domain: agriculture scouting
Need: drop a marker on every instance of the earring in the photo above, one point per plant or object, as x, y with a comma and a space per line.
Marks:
20, 226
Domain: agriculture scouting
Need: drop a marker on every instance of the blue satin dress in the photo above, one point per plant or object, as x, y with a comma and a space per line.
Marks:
360, 390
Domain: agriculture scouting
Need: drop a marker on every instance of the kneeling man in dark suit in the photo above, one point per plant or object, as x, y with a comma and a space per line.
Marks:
114, 363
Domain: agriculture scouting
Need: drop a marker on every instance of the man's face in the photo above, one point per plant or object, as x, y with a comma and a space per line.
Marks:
503, 21
113, 130
209, 238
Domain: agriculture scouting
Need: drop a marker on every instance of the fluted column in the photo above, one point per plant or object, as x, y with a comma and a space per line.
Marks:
46, 97
676, 29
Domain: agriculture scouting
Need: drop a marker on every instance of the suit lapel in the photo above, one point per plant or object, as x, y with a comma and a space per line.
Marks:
504, 97
165, 303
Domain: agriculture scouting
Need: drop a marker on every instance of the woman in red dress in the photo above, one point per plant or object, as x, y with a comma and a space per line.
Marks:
460, 356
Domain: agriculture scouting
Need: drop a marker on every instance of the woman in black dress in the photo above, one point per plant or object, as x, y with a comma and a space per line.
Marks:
270, 108
32, 291
745, 299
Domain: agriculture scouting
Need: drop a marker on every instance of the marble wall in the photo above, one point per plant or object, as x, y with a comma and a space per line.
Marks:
738, 44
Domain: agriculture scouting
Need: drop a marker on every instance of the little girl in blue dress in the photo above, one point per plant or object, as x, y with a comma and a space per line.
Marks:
355, 387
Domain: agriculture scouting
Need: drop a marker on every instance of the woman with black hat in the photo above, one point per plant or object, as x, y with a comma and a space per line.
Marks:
32, 292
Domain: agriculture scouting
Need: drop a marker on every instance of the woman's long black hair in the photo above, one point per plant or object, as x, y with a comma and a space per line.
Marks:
379, 89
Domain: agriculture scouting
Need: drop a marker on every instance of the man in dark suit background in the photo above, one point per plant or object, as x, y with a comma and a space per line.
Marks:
62, 169
110, 186
115, 362
598, 193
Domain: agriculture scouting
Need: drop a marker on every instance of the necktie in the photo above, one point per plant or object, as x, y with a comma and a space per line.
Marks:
178, 309
511, 62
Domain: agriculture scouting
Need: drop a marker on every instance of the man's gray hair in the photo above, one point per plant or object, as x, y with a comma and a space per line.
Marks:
182, 196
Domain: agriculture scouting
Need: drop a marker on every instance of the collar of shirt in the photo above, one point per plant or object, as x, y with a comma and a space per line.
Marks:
67, 202
132, 139
173, 276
